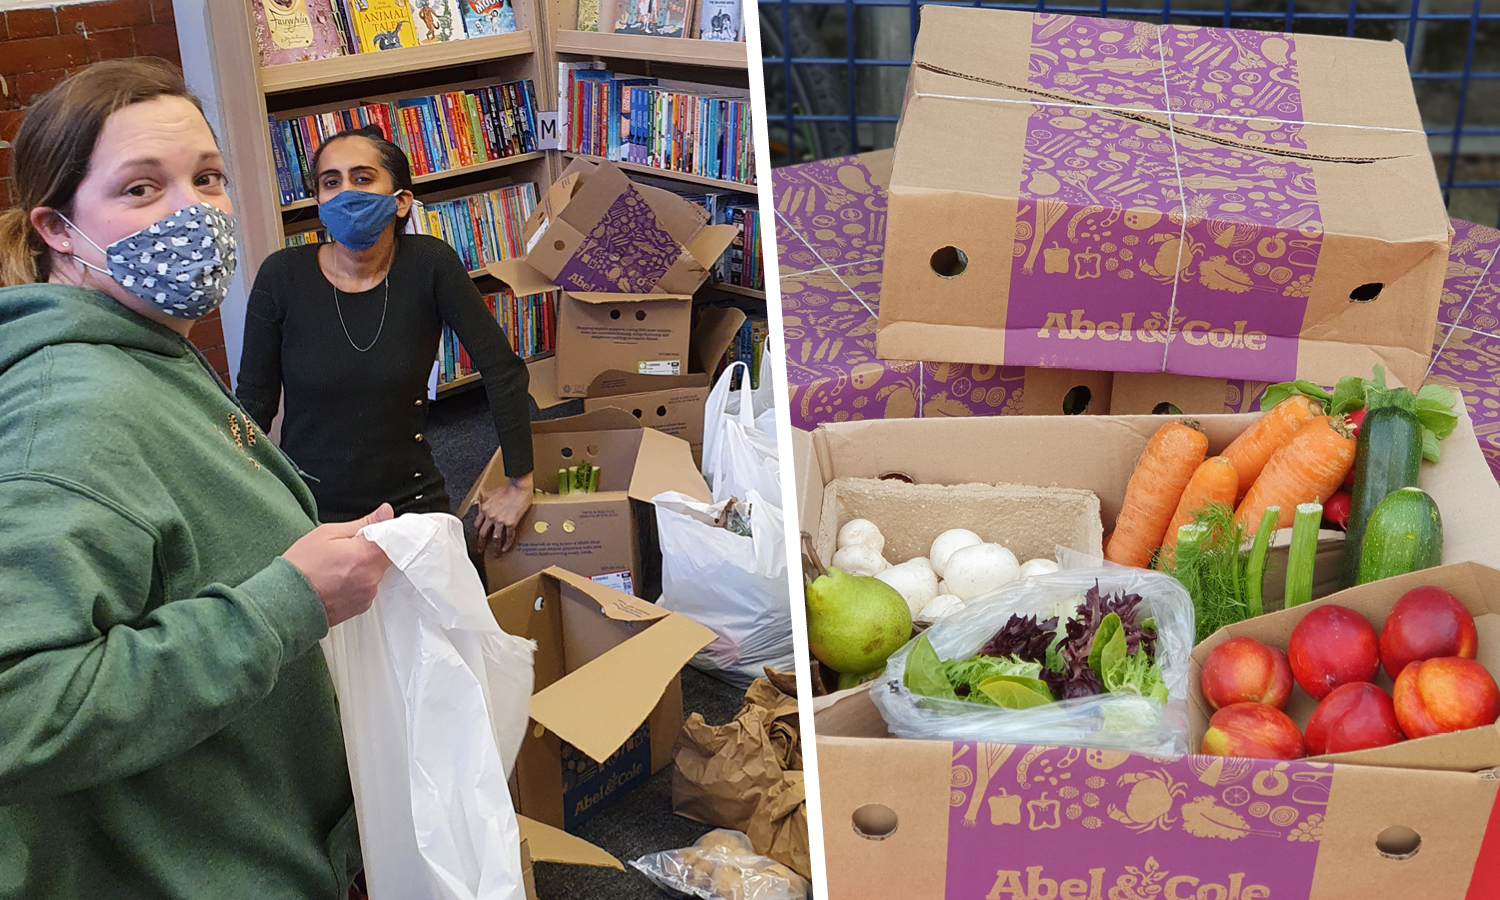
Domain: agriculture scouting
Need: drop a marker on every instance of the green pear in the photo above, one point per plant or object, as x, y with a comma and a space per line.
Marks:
855, 621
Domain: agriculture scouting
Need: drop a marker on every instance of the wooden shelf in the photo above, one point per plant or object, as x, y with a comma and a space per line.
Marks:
736, 289
473, 377
682, 51
446, 173
668, 173
384, 63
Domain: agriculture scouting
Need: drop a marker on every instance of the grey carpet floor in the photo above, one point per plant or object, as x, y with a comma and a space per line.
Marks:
641, 821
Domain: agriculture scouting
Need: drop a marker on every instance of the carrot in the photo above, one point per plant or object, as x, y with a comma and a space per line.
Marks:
1152, 494
1307, 469
1215, 481
1250, 451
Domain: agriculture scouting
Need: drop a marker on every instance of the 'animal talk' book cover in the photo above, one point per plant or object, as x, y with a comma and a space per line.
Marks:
288, 31
484, 17
382, 24
437, 20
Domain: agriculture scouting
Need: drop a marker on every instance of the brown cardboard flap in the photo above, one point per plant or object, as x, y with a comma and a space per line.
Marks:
519, 277
717, 326
549, 844
597, 297
709, 244
665, 463
614, 604
615, 383
543, 386
599, 705
809, 482
679, 218
599, 420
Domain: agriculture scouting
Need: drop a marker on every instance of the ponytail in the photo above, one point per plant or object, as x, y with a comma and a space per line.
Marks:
20, 248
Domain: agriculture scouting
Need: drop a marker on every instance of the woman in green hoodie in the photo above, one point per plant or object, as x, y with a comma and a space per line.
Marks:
167, 723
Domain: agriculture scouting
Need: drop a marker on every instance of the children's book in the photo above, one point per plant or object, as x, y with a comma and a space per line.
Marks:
382, 24
288, 31
437, 20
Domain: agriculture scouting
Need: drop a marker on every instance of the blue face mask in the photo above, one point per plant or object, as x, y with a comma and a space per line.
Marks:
357, 218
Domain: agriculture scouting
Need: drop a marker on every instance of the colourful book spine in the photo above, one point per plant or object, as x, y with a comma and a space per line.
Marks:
383, 24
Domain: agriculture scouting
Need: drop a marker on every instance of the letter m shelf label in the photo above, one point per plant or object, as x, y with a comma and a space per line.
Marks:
546, 126
1060, 823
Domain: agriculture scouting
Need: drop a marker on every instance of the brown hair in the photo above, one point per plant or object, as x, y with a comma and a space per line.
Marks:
52, 151
392, 159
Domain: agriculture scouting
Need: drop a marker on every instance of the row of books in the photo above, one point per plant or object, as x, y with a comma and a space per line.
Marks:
742, 211
748, 346
717, 20
530, 321
289, 31
696, 129
439, 132
483, 228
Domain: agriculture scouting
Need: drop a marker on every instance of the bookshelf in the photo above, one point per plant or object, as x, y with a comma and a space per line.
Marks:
242, 93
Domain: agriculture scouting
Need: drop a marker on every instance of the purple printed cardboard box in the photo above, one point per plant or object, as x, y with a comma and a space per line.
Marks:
831, 236
1097, 194
956, 819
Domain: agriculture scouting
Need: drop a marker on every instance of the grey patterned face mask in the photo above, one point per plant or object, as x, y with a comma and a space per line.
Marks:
181, 265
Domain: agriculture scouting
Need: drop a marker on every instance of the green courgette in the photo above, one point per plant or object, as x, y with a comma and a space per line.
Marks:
1403, 534
1388, 458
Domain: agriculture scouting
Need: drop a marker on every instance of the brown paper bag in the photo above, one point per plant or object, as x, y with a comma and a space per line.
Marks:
747, 775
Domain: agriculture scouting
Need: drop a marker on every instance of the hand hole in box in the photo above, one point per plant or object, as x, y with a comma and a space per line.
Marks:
593, 450
636, 413
1398, 842
566, 452
614, 314
1166, 409
1366, 292
541, 527
558, 245
1076, 402
540, 602
874, 821
640, 315
897, 476
949, 262
661, 411
568, 526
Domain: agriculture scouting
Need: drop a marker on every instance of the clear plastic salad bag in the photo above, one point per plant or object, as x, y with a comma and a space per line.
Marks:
1116, 721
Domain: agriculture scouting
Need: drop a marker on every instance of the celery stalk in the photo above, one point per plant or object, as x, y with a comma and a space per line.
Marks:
562, 481
594, 480
1302, 554
1255, 572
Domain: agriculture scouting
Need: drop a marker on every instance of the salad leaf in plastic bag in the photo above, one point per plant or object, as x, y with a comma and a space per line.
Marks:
1135, 674
1012, 692
924, 672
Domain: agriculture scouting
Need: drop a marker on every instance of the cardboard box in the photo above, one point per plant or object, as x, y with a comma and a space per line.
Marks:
595, 534
902, 819
607, 702
544, 843
1477, 586
671, 404
1283, 222
596, 231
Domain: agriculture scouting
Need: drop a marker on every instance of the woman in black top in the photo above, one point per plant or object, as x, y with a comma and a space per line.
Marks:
350, 329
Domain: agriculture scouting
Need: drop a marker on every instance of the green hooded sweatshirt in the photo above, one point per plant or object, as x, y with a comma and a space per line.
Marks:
168, 728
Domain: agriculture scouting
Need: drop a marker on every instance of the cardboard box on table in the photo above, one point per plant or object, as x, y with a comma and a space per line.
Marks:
905, 818
627, 258
544, 843
594, 534
1284, 221
607, 703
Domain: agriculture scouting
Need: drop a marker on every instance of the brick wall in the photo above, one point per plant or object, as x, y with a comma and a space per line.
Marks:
40, 47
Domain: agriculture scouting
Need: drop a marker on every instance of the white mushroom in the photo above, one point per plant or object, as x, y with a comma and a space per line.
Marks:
914, 581
1033, 567
979, 569
861, 532
859, 559
940, 606
946, 543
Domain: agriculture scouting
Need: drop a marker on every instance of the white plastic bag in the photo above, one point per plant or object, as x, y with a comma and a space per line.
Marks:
434, 700
723, 406
732, 584
1116, 721
764, 394
747, 462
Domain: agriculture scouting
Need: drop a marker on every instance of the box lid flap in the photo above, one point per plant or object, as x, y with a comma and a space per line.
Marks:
615, 383
599, 420
597, 706
665, 463
520, 277
710, 243
678, 217
549, 844
717, 326
614, 604
594, 297
543, 385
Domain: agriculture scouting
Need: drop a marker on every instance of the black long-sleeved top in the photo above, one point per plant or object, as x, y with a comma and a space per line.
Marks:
355, 421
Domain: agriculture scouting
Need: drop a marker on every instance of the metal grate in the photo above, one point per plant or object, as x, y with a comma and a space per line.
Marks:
835, 70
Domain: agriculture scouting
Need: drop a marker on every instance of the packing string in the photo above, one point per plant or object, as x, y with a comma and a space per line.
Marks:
1448, 332
1166, 346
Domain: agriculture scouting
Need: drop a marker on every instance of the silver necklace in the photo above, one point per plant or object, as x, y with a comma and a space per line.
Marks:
384, 304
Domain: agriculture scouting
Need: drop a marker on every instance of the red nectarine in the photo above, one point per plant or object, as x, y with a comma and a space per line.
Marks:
1243, 670
1253, 730
1435, 696
1332, 645
1426, 623
1354, 716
